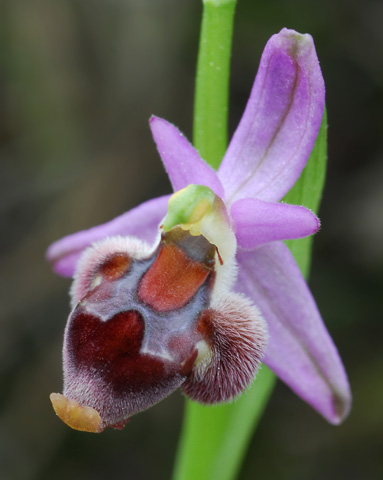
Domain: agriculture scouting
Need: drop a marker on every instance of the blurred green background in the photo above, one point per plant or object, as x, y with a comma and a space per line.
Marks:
78, 82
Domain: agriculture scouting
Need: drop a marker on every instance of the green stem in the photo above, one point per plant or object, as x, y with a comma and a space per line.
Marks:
212, 80
214, 439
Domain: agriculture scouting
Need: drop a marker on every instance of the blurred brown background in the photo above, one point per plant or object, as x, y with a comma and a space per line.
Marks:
78, 82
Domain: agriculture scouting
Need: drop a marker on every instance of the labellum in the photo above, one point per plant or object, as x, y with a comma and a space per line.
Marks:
146, 322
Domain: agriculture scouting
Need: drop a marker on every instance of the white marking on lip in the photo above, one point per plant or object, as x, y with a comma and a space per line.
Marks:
96, 282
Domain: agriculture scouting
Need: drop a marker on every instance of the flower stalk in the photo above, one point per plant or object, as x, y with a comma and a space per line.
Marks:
212, 80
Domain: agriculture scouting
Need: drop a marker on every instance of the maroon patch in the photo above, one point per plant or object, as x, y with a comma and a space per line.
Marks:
112, 348
115, 266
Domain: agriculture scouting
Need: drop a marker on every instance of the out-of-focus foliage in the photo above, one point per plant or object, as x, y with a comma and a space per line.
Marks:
78, 82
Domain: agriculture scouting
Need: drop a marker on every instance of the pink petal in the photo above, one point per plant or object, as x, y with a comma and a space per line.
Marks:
257, 222
142, 222
181, 160
281, 121
301, 351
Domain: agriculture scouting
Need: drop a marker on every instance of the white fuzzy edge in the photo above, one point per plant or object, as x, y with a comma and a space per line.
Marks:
97, 253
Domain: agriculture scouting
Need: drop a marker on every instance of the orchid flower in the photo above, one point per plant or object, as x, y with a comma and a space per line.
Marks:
209, 269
